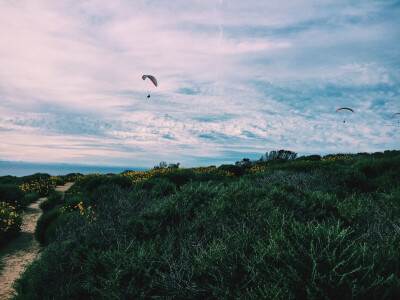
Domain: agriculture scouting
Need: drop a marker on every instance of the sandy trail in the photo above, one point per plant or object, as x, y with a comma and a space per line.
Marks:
23, 249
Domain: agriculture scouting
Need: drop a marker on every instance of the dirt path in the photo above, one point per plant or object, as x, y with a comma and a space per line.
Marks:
23, 249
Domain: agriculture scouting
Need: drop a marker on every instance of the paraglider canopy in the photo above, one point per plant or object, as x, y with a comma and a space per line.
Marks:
151, 77
345, 108
398, 122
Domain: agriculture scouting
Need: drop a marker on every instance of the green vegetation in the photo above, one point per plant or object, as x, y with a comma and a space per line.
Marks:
16, 193
280, 227
12, 202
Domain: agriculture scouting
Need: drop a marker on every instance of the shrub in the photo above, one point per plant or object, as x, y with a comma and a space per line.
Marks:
35, 177
237, 170
162, 187
73, 201
56, 198
121, 181
10, 222
42, 185
57, 221
43, 224
90, 184
9, 180
12, 195
310, 158
59, 181
321, 260
31, 197
177, 177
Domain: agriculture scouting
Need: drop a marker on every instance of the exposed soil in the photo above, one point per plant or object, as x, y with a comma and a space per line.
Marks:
23, 249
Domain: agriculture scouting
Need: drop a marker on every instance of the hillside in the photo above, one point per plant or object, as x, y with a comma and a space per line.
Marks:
281, 227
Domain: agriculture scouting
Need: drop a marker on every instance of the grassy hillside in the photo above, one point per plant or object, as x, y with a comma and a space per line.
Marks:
312, 227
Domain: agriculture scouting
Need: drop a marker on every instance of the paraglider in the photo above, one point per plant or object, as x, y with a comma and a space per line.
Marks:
395, 115
345, 108
152, 79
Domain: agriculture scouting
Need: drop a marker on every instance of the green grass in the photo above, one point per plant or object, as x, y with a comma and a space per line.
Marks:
306, 228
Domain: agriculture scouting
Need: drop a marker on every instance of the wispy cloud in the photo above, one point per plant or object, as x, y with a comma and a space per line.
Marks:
235, 79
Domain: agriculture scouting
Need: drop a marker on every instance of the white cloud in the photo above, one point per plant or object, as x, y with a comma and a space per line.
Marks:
264, 75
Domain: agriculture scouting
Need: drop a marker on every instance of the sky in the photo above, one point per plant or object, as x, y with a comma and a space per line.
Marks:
236, 79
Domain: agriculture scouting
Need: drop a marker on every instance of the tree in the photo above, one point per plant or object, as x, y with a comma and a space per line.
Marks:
278, 155
173, 166
161, 165
246, 162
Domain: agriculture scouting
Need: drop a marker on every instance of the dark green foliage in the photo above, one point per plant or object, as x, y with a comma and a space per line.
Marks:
12, 202
310, 158
211, 176
178, 177
303, 229
56, 198
121, 181
90, 184
60, 181
18, 180
43, 229
31, 197
71, 177
12, 195
11, 232
9, 180
73, 201
237, 170
35, 176
373, 173
356, 180
159, 187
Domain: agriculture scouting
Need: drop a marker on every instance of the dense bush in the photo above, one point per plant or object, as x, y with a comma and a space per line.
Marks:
31, 197
178, 177
9, 180
373, 174
43, 186
300, 229
13, 195
159, 186
10, 222
310, 158
237, 170
12, 202
43, 230
56, 198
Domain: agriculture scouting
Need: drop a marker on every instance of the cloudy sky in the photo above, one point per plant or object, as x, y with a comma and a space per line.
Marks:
236, 79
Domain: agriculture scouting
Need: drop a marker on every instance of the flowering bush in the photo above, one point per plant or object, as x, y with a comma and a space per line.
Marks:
335, 157
10, 221
42, 186
86, 212
258, 168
